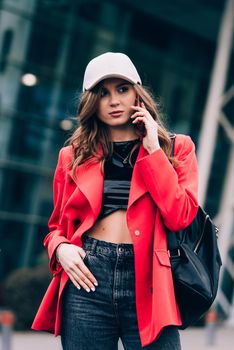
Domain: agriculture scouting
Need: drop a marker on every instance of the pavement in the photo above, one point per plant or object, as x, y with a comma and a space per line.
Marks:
191, 339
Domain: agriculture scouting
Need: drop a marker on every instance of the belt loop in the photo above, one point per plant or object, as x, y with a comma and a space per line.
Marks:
93, 246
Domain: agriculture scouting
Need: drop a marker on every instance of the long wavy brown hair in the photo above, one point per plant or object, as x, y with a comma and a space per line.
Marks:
92, 133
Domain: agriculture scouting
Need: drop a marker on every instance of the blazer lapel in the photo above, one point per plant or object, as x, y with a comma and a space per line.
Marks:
89, 179
90, 182
138, 187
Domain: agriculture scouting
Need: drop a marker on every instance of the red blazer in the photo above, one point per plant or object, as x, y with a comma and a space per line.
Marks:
159, 195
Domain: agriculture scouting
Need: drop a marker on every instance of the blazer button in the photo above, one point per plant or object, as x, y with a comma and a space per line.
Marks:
137, 233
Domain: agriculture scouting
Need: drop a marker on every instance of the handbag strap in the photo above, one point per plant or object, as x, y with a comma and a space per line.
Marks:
172, 242
172, 137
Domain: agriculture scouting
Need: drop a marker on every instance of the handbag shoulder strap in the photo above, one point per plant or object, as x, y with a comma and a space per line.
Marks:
172, 137
172, 242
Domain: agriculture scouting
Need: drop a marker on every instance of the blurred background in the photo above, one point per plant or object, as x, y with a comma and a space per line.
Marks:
183, 50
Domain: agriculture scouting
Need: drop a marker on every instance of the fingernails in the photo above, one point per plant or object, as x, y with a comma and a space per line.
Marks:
93, 289
87, 290
96, 284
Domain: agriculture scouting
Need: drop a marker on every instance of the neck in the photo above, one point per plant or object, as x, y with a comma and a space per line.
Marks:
122, 134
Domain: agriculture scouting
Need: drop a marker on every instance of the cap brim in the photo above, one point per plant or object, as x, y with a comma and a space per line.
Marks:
93, 84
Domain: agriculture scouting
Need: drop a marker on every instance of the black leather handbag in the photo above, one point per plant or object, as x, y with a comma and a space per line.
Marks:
195, 262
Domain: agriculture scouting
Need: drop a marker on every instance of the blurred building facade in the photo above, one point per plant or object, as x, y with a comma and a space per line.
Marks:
44, 48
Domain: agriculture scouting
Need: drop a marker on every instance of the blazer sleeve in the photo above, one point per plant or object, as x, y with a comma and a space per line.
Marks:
56, 234
174, 190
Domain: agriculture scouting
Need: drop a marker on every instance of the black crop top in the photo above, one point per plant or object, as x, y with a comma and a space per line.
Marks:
117, 177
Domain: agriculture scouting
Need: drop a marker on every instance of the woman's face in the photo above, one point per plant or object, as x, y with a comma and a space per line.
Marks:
114, 106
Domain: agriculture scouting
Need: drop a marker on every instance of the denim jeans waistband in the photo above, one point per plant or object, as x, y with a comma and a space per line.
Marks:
94, 245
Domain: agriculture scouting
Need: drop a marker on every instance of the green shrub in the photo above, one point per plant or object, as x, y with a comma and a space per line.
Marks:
23, 291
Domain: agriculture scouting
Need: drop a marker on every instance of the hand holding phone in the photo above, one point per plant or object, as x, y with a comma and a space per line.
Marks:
146, 126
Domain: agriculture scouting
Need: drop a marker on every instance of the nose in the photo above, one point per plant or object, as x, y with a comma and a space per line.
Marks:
114, 101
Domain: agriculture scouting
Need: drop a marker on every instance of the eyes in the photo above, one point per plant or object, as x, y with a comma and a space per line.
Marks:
121, 89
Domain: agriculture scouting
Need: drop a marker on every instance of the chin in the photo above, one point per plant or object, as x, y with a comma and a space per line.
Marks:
119, 123
120, 120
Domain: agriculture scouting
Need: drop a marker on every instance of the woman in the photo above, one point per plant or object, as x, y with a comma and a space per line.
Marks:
116, 189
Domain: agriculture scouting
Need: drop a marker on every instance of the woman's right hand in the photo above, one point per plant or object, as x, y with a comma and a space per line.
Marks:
71, 257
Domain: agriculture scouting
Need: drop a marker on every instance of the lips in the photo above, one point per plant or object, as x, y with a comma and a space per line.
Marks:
116, 113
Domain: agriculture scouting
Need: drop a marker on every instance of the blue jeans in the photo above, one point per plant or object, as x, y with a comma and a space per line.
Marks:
96, 320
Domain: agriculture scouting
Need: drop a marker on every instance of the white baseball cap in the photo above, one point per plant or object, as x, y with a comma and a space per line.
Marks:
107, 65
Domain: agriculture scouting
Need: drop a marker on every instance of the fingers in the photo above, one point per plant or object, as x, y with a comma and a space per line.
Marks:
85, 278
139, 119
142, 115
80, 275
74, 281
139, 116
141, 107
83, 281
140, 112
71, 258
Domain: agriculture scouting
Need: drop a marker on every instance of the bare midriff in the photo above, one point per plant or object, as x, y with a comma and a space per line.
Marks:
112, 228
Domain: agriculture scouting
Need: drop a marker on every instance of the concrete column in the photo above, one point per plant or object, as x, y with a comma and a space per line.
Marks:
10, 77
213, 105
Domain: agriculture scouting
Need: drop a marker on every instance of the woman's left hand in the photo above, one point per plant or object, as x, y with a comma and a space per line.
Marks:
150, 139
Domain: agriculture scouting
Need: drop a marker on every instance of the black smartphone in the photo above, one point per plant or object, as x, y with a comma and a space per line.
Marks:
140, 126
